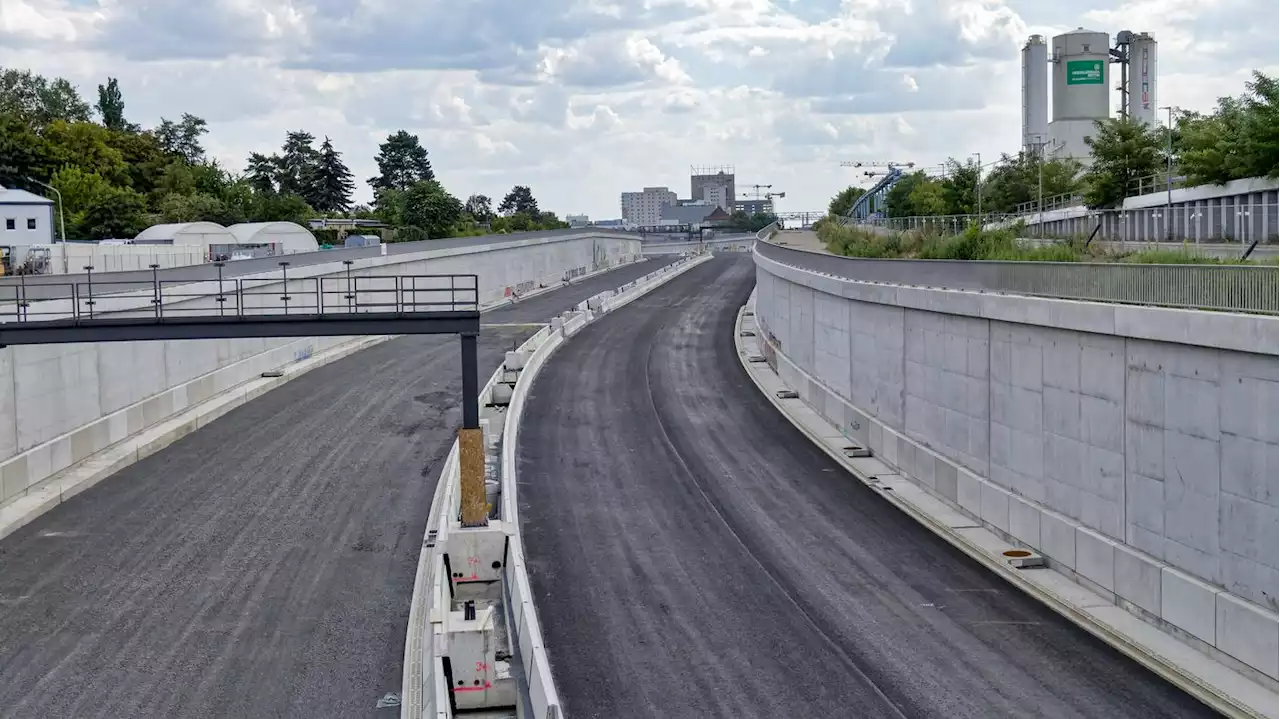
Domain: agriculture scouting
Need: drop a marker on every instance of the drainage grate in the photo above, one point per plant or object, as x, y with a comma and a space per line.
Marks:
746, 333
788, 394
756, 358
854, 451
273, 373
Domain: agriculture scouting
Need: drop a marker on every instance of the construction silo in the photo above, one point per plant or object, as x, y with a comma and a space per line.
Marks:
1081, 93
1142, 79
1035, 94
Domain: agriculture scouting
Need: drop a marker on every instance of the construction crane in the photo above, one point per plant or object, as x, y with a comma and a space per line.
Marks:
889, 165
756, 191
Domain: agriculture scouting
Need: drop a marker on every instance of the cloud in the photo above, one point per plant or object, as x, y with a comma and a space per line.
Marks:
583, 99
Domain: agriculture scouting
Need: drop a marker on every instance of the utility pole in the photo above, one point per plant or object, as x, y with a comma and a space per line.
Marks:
1040, 182
1168, 176
62, 222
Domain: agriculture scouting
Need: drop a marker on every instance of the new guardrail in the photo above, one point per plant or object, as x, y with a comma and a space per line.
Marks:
1229, 288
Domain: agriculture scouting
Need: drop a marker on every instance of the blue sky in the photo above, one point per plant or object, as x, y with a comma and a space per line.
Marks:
583, 99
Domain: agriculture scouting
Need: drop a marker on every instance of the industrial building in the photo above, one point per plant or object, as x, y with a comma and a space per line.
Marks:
1075, 67
27, 218
713, 184
644, 208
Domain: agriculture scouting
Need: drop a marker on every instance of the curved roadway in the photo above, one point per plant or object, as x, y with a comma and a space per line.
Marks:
694, 555
260, 567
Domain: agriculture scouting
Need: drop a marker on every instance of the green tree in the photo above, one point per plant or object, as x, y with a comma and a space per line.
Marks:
1238, 140
480, 207
119, 213
277, 207
333, 181
198, 207
182, 138
402, 163
959, 188
144, 159
23, 153
37, 101
79, 189
519, 200
898, 199
429, 206
1124, 151
263, 172
87, 146
1018, 179
111, 106
931, 198
842, 203
298, 167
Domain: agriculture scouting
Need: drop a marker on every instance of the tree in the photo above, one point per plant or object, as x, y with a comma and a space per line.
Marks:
898, 199
23, 153
842, 203
519, 201
182, 138
263, 171
960, 188
79, 189
297, 166
278, 207
1238, 140
117, 213
37, 102
333, 181
931, 198
1124, 151
87, 146
111, 106
480, 207
402, 163
144, 159
429, 206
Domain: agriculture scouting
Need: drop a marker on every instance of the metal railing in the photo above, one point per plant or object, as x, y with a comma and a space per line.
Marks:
767, 231
233, 298
1230, 288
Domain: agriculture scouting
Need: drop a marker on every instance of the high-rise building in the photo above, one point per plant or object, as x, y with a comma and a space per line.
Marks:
644, 208
706, 183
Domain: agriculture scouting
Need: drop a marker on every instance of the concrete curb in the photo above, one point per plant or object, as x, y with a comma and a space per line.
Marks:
1147, 657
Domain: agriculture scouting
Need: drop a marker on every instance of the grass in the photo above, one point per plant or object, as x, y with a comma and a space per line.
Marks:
976, 244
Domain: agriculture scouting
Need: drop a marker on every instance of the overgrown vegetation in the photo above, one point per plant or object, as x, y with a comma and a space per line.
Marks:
117, 178
976, 244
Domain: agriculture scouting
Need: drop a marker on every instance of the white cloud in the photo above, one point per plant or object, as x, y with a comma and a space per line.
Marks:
582, 99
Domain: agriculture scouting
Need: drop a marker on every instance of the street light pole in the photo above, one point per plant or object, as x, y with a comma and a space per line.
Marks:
1040, 183
62, 222
977, 186
1168, 176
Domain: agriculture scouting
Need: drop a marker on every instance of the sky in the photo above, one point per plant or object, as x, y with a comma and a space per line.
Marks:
584, 99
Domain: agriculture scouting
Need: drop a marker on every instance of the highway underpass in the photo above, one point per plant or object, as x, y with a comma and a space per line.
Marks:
260, 567
694, 555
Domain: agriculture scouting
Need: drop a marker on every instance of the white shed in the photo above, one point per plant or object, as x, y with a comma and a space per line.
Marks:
203, 234
286, 237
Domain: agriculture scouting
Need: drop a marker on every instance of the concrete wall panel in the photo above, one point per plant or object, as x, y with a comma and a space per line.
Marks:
1133, 454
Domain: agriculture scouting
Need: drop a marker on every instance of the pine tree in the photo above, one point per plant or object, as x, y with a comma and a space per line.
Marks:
402, 163
333, 181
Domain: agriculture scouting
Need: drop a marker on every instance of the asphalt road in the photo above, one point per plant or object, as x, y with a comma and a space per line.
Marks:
261, 567
694, 555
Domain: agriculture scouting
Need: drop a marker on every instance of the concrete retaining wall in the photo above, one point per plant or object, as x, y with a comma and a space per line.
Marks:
1135, 447
59, 404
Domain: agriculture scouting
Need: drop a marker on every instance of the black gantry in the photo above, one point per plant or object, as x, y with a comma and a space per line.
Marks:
277, 306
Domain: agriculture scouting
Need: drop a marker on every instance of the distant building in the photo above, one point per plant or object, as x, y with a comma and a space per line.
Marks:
27, 218
694, 216
644, 208
344, 223
577, 220
713, 184
619, 222
754, 207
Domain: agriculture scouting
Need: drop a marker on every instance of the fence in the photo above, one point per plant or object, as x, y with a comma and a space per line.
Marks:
1232, 288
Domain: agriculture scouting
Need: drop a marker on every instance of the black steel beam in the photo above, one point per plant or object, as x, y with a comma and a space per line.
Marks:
141, 329
470, 382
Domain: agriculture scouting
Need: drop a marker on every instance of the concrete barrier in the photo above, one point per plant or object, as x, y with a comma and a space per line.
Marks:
424, 691
62, 404
1135, 447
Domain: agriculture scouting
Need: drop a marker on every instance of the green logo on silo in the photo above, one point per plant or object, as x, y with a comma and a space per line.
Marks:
1084, 72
